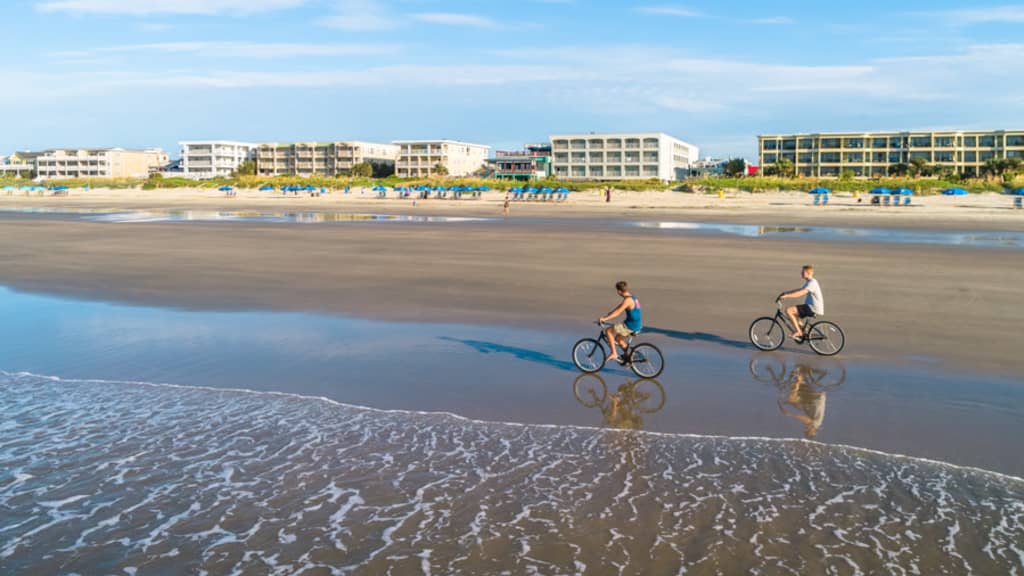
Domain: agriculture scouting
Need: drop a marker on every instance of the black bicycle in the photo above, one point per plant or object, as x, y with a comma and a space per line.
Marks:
590, 355
824, 337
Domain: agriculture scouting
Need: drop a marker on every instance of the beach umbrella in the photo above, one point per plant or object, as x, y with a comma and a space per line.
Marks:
562, 190
531, 190
266, 188
225, 188
903, 192
881, 191
483, 188
439, 189
8, 188
955, 192
820, 190
1017, 192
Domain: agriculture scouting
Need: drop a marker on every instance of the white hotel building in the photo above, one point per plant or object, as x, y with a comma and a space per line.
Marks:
419, 158
627, 156
213, 158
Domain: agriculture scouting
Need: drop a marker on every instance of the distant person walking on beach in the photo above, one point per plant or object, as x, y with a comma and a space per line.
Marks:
814, 304
608, 194
633, 323
507, 207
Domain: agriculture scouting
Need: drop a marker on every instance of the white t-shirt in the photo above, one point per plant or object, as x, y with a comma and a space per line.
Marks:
814, 298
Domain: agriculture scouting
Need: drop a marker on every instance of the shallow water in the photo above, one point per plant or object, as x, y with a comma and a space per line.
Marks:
295, 217
121, 477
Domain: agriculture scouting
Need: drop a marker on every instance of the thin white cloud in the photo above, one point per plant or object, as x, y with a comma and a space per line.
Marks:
772, 21
257, 50
360, 16
147, 7
1011, 14
666, 10
454, 19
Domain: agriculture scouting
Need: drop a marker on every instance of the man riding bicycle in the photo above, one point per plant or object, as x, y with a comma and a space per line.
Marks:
633, 323
814, 304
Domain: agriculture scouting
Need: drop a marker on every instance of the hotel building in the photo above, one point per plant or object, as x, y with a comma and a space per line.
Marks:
212, 159
873, 153
99, 163
320, 158
419, 158
20, 164
532, 163
639, 156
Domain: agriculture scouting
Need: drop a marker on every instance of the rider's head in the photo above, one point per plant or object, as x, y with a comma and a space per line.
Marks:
622, 286
807, 272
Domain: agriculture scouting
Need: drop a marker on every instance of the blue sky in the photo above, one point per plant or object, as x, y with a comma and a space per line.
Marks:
137, 73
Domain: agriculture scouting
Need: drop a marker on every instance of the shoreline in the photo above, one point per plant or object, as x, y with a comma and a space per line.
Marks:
903, 302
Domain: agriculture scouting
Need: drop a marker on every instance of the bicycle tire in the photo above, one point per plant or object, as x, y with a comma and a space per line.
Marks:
649, 399
766, 334
768, 369
585, 388
646, 361
826, 338
588, 355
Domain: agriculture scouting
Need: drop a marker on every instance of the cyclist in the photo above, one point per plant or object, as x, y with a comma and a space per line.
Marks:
633, 323
814, 304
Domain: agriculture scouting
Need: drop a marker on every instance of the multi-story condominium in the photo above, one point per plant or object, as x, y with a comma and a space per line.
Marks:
99, 163
874, 153
532, 163
420, 158
211, 159
644, 155
18, 164
320, 158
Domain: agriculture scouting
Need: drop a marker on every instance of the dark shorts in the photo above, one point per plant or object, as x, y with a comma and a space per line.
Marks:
804, 311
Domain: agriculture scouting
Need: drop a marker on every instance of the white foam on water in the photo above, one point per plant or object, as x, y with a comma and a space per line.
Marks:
232, 481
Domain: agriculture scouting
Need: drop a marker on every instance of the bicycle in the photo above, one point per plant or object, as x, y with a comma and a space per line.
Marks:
770, 369
590, 355
824, 337
627, 406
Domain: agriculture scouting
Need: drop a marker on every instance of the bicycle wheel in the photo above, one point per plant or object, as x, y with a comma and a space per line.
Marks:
588, 355
768, 368
589, 390
826, 338
646, 361
649, 395
767, 334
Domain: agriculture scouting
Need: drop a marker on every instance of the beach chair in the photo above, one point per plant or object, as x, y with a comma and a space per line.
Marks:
886, 200
824, 199
906, 200
1018, 202
817, 200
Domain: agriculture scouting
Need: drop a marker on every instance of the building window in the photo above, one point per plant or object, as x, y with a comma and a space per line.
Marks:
1015, 153
830, 142
943, 156
970, 156
596, 144
579, 144
771, 158
879, 143
878, 157
922, 155
988, 141
806, 143
596, 171
789, 144
854, 143
1015, 140
806, 158
895, 157
921, 141
832, 157
895, 142
771, 145
970, 141
614, 143
830, 171
854, 157
944, 142
986, 155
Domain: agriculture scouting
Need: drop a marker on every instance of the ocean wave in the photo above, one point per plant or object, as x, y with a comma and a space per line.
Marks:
103, 476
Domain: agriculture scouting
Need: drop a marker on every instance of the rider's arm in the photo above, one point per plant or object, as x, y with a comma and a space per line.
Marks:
794, 294
619, 310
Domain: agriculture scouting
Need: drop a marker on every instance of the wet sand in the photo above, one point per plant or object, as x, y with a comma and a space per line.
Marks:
948, 306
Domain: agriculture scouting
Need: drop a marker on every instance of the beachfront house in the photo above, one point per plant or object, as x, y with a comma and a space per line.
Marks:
99, 163
873, 154
321, 158
202, 159
19, 164
626, 156
421, 158
531, 163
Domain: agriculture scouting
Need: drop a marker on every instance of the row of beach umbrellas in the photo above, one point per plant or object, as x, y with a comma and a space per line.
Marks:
531, 190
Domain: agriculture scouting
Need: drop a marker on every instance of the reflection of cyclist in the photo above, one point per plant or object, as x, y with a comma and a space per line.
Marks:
814, 304
623, 412
633, 323
809, 402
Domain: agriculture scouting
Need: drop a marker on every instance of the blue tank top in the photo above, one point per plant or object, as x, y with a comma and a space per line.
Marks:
635, 317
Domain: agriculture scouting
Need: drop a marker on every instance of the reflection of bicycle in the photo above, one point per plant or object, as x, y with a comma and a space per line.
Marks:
768, 333
771, 369
625, 407
589, 355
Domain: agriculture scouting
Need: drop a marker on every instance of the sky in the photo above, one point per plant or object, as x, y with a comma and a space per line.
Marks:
151, 73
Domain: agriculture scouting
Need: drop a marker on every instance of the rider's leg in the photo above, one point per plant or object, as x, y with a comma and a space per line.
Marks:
791, 312
609, 335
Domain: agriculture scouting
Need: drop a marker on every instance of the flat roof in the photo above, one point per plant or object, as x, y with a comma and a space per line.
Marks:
799, 134
439, 141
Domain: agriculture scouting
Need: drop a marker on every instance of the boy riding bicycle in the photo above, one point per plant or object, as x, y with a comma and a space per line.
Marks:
633, 323
814, 304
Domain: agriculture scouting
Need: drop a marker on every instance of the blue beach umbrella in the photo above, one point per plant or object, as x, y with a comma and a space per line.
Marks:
1017, 192
881, 191
903, 192
266, 188
955, 192
483, 188
225, 188
820, 190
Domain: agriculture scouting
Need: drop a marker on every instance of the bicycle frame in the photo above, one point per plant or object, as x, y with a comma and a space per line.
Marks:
783, 319
603, 340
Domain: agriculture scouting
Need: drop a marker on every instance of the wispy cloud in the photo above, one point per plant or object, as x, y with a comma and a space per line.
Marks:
667, 10
772, 21
1010, 14
147, 7
360, 16
454, 19
257, 50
